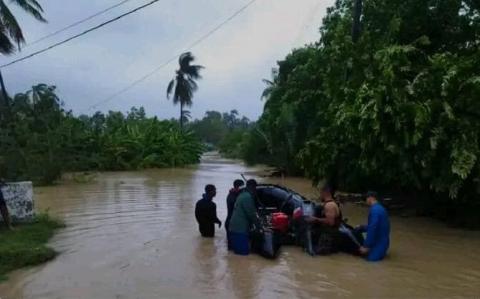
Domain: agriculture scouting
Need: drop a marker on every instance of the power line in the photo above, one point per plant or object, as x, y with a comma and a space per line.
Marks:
154, 71
78, 35
79, 22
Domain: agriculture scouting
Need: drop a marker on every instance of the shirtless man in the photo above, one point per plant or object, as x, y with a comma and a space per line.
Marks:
325, 233
331, 216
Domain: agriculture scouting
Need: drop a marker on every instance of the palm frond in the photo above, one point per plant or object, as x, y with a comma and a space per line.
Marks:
6, 47
193, 71
186, 116
267, 82
267, 92
170, 88
193, 84
10, 25
32, 7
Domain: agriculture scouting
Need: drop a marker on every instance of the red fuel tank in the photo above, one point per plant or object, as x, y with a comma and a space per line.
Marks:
280, 222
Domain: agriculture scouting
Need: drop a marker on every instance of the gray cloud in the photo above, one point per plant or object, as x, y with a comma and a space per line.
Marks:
98, 65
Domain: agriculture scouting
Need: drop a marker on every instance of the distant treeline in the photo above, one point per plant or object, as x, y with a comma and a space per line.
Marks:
40, 140
398, 110
225, 132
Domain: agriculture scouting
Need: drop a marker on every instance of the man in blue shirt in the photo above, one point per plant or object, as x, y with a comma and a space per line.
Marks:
377, 242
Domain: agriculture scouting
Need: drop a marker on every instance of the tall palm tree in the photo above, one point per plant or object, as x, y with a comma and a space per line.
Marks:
11, 35
184, 84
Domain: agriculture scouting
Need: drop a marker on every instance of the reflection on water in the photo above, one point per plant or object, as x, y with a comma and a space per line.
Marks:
133, 235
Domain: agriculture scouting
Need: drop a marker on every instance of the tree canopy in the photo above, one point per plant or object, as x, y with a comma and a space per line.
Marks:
399, 109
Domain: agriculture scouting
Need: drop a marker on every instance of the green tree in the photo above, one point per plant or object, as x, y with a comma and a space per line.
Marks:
397, 110
184, 84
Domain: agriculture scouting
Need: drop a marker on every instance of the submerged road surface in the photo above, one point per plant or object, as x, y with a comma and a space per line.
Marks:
133, 235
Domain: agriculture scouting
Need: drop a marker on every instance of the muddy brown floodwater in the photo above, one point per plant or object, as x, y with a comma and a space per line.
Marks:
133, 235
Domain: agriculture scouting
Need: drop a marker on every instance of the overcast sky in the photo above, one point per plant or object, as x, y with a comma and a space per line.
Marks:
90, 69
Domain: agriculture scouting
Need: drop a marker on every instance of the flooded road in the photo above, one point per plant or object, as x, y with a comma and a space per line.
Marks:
133, 235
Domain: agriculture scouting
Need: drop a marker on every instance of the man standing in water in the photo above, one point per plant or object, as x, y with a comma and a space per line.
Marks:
231, 199
244, 218
377, 242
3, 208
206, 213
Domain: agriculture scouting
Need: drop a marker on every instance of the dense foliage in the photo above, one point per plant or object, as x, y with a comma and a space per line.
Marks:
40, 139
397, 110
223, 131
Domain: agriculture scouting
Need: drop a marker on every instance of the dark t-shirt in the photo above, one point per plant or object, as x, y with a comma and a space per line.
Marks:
206, 215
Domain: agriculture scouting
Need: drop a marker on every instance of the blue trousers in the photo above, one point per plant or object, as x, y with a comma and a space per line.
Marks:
240, 243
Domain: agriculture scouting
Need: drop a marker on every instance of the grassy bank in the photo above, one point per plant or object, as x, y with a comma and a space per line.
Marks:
26, 245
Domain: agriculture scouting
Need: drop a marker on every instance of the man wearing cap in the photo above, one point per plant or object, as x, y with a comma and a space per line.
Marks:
377, 242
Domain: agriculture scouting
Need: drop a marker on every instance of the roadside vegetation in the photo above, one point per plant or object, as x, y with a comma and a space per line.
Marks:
41, 140
397, 108
26, 245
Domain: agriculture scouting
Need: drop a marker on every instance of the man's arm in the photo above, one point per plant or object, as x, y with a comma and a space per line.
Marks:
251, 211
215, 218
197, 213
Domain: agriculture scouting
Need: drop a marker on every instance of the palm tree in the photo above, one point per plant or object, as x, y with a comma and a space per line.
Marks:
270, 85
184, 83
11, 35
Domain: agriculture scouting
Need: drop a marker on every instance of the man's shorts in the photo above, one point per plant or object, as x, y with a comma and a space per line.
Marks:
240, 243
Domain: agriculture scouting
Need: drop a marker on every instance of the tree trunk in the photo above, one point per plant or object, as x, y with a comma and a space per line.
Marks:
181, 116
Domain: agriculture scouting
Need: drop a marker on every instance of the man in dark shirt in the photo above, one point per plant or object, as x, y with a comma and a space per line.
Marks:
3, 207
231, 199
206, 213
